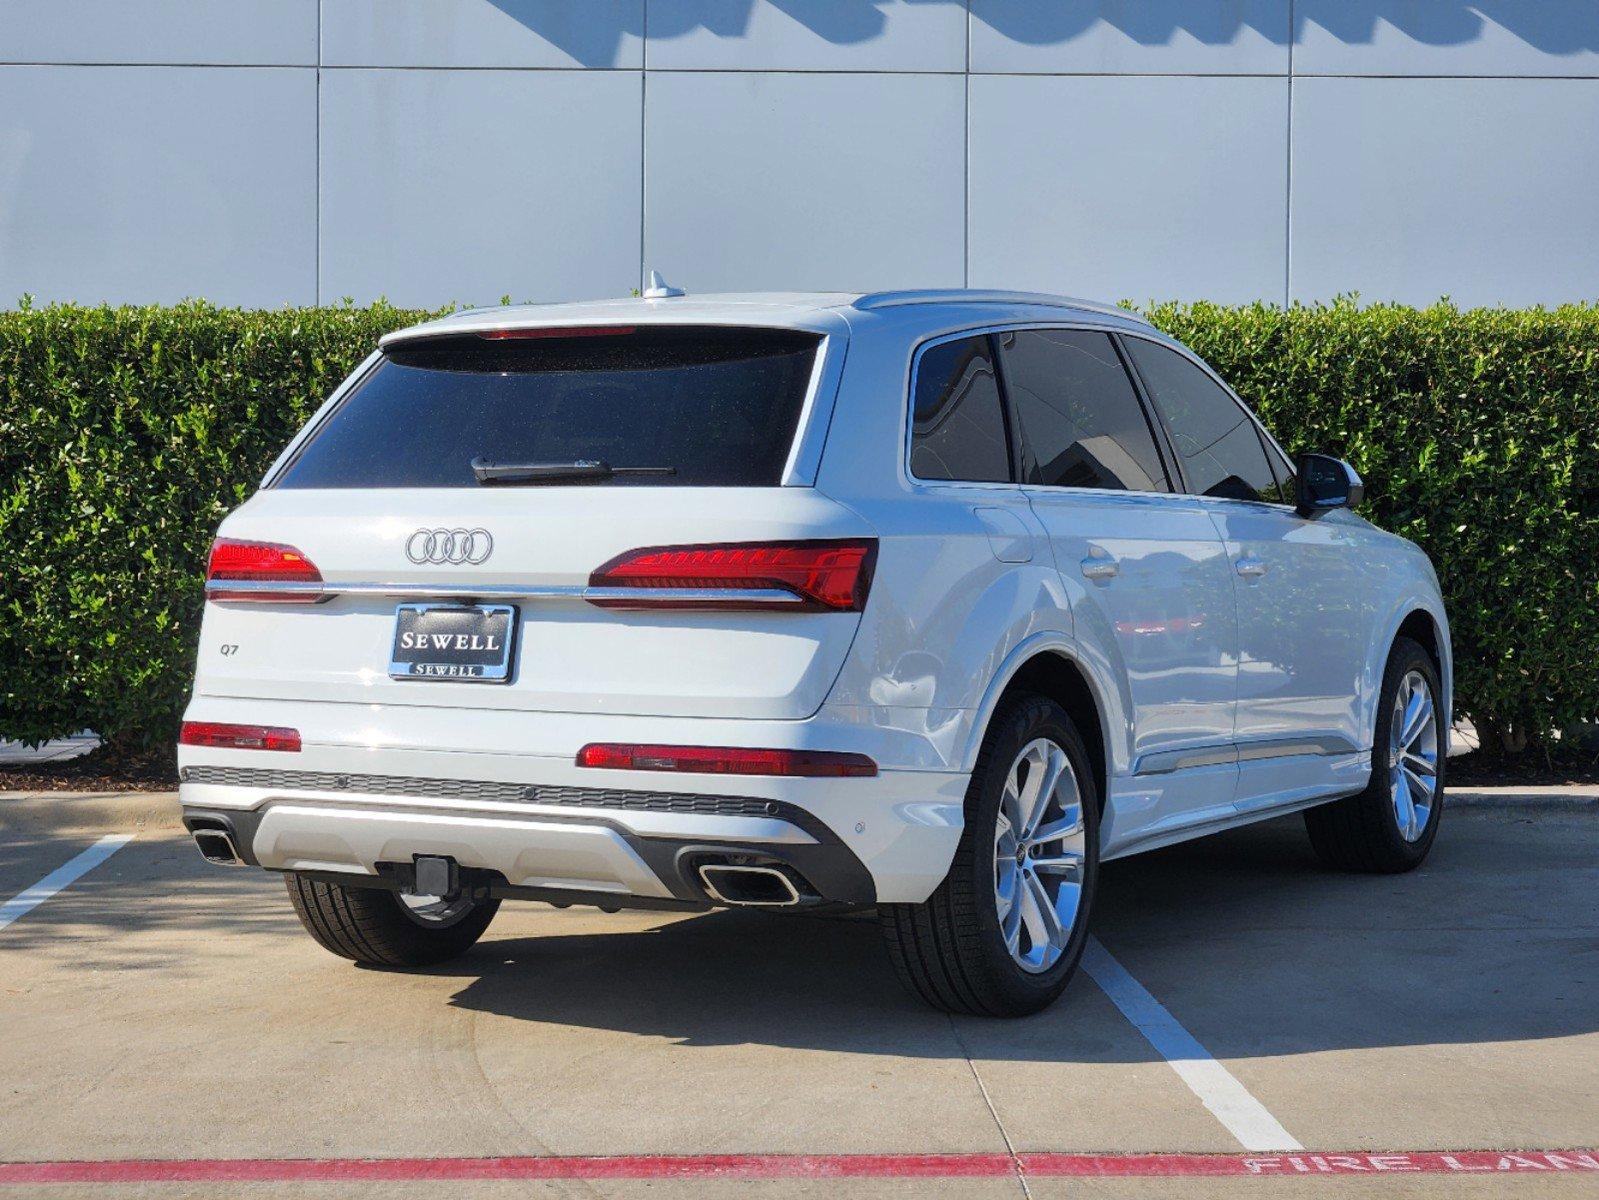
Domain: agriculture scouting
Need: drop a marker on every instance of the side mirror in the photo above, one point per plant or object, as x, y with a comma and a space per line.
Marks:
1327, 482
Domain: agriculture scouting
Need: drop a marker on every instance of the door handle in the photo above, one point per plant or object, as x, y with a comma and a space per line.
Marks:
1100, 566
1251, 568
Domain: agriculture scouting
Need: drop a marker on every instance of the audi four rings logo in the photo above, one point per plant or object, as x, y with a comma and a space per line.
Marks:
456, 546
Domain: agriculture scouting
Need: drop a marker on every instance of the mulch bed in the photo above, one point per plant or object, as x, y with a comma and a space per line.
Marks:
100, 770
1533, 769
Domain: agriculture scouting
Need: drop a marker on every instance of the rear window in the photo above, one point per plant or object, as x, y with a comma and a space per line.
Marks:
718, 405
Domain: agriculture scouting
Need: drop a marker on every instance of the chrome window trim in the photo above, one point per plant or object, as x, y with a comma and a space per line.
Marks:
1266, 437
987, 329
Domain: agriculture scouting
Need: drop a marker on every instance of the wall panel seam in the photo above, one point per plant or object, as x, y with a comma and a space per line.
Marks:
1288, 168
643, 148
316, 251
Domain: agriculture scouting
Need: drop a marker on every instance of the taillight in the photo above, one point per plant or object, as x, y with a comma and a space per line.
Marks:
241, 562
238, 737
823, 576
727, 760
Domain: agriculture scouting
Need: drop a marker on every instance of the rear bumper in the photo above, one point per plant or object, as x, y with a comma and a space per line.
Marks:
542, 823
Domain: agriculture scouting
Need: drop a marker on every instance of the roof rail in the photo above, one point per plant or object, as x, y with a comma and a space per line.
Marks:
876, 300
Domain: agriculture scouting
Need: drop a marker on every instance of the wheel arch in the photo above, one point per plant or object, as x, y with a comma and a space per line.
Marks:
1050, 667
1425, 624
1420, 627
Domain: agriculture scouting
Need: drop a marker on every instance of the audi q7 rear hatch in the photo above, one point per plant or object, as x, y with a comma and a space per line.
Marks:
574, 519
702, 406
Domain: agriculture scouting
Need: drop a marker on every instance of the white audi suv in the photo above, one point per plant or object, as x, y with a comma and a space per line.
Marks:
929, 601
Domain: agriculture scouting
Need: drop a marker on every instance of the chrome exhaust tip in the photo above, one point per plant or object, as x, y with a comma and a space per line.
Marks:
216, 846
749, 887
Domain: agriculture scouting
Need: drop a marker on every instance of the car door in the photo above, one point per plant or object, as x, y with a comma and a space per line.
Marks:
971, 519
1302, 620
1144, 566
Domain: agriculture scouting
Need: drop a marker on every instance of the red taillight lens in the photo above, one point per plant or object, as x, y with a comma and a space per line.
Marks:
234, 561
725, 760
563, 331
825, 576
238, 737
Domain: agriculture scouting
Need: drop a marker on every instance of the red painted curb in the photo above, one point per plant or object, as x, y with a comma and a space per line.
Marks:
789, 1166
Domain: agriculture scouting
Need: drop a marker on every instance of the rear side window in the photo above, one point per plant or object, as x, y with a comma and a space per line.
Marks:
1081, 422
719, 406
958, 422
1214, 436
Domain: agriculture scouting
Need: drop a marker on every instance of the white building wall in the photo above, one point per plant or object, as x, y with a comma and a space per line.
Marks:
262, 152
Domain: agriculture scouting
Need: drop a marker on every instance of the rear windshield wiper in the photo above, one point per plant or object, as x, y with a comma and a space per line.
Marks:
583, 470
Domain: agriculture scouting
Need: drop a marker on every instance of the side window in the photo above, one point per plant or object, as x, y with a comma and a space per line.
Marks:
1080, 417
1221, 452
1287, 483
958, 423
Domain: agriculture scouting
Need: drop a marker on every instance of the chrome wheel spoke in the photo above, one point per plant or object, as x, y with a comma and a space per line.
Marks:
1032, 916
1421, 764
1054, 831
1049, 920
1054, 773
1404, 809
1420, 786
1034, 791
1418, 717
1413, 744
1068, 864
1005, 876
1010, 926
1005, 844
1010, 806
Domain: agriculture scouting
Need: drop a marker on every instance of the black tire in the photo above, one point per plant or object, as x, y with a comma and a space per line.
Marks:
950, 950
376, 928
1361, 832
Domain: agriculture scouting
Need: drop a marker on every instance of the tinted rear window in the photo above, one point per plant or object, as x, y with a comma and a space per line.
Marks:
1078, 411
958, 420
720, 405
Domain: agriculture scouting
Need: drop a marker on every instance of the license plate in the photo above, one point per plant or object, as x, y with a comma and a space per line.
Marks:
466, 643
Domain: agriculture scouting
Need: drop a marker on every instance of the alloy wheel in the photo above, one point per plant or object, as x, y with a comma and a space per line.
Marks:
1413, 755
1040, 851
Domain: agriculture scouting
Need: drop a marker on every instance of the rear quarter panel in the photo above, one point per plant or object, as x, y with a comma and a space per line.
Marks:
945, 614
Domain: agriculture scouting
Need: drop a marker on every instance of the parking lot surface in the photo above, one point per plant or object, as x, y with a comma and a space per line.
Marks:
1435, 1033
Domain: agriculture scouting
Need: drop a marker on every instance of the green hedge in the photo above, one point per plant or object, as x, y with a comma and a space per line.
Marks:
1477, 434
127, 433
125, 436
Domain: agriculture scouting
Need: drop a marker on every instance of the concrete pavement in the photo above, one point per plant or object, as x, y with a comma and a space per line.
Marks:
160, 1008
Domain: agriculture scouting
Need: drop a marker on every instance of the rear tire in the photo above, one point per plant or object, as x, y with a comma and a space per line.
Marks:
969, 949
379, 929
1379, 830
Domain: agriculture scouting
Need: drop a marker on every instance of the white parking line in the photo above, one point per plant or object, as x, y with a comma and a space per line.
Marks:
29, 899
1228, 1100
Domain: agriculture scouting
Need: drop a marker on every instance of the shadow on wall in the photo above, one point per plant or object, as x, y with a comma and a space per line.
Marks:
1551, 26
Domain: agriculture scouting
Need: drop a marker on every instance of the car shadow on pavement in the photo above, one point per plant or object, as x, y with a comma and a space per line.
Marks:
1252, 945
